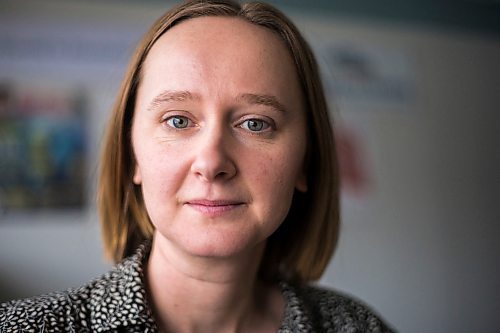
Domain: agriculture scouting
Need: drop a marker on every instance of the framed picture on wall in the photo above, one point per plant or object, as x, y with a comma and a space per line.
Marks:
43, 148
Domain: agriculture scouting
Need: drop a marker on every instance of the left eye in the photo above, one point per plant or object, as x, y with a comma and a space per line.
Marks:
178, 122
255, 125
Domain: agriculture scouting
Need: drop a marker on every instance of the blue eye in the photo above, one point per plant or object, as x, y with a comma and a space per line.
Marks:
255, 125
178, 122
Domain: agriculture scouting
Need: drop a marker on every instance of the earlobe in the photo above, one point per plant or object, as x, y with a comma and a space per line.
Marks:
137, 176
301, 184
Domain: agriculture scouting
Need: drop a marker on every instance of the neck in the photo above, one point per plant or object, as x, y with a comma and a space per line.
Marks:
199, 294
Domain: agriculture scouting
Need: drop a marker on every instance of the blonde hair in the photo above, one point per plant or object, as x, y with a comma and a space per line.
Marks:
303, 245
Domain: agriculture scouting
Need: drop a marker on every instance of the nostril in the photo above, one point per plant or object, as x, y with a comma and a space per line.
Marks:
213, 164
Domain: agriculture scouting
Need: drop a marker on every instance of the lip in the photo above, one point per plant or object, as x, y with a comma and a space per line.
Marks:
214, 208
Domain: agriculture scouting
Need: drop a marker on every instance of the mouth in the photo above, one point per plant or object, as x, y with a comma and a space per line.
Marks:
214, 208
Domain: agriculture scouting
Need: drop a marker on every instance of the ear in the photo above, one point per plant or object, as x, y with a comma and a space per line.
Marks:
301, 183
137, 175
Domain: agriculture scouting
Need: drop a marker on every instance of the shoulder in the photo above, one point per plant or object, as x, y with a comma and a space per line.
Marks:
55, 311
115, 299
332, 311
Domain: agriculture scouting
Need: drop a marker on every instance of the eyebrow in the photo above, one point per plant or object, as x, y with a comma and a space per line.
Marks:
267, 100
183, 95
171, 95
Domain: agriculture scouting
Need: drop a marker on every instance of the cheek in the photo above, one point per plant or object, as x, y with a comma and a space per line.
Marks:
273, 179
161, 173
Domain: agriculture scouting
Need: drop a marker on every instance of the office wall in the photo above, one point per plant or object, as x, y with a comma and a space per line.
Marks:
420, 235
422, 241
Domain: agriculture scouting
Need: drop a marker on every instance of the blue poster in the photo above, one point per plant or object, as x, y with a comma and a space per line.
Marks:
42, 149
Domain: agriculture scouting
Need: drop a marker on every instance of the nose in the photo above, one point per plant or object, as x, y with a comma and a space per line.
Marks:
213, 160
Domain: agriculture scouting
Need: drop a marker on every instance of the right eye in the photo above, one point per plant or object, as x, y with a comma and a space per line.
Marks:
178, 122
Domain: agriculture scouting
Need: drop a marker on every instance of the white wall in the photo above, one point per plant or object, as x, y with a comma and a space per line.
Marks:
420, 244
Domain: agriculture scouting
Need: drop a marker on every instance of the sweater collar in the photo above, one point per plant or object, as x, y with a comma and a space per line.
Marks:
296, 317
124, 287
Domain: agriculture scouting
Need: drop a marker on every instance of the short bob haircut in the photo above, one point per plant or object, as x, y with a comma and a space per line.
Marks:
303, 245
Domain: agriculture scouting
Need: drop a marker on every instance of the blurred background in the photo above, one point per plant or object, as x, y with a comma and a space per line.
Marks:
414, 88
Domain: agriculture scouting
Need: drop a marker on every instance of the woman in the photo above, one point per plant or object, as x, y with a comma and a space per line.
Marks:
218, 192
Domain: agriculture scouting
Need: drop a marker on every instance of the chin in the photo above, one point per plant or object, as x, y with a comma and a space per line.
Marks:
217, 244
219, 247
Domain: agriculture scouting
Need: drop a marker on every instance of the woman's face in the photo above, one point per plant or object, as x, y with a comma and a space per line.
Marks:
219, 136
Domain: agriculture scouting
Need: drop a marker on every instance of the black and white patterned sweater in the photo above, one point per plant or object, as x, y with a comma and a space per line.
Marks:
117, 302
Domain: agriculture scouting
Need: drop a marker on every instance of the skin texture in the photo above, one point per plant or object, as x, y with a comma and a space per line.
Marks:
219, 137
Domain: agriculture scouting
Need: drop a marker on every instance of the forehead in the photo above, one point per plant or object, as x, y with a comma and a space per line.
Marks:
212, 42
216, 32
221, 56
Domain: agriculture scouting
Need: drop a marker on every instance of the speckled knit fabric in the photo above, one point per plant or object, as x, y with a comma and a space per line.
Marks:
117, 302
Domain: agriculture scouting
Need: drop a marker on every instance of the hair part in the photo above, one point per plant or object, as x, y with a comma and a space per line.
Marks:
303, 245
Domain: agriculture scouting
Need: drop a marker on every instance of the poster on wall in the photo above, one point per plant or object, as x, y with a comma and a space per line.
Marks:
361, 77
43, 148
